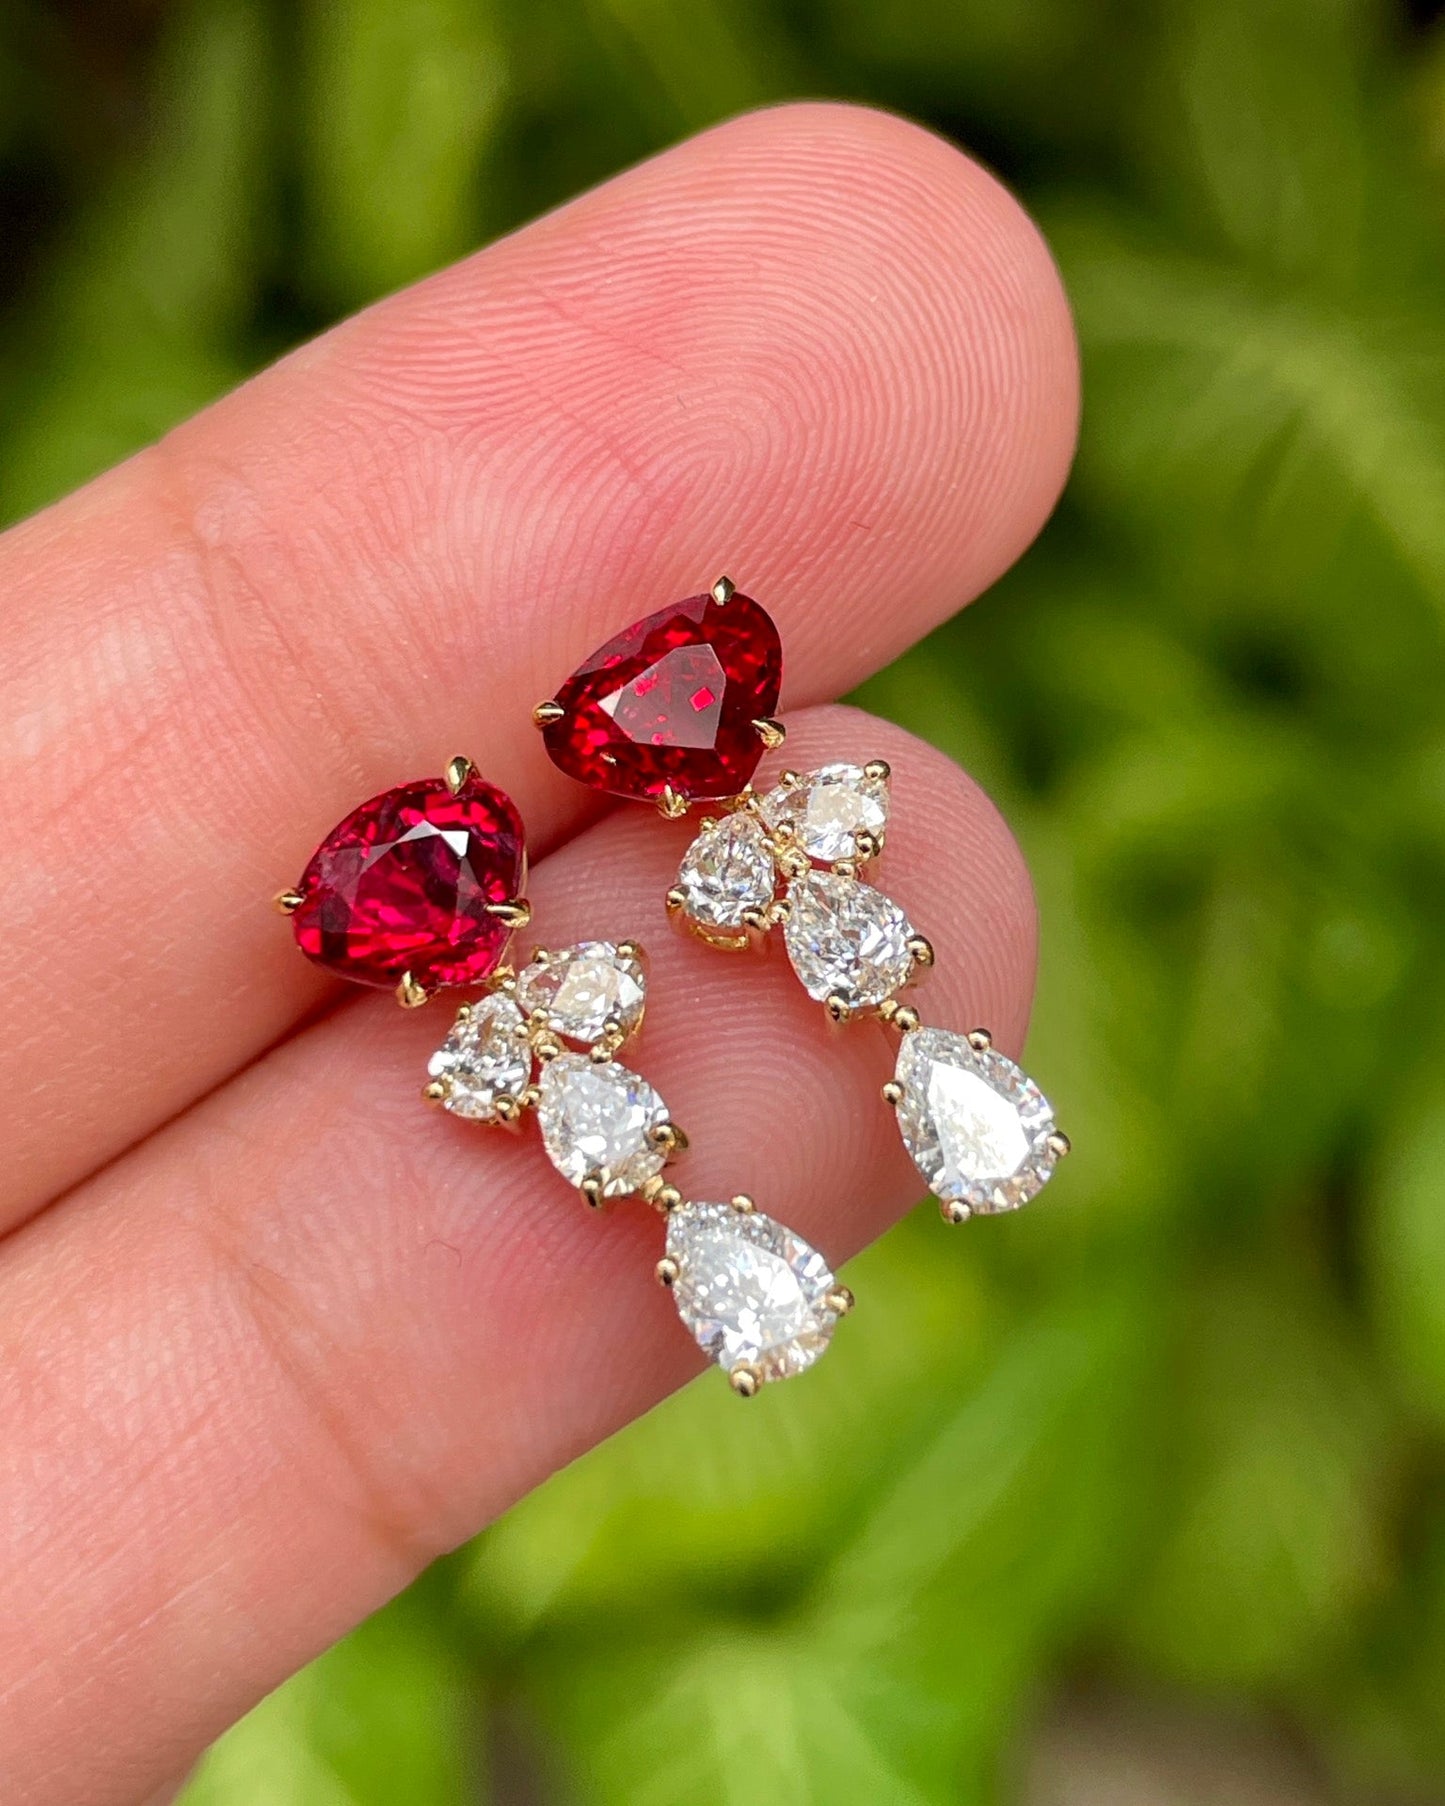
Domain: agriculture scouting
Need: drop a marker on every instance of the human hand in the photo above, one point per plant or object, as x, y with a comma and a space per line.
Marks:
273, 1337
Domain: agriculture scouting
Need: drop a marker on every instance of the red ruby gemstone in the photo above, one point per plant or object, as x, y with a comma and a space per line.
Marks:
403, 883
672, 701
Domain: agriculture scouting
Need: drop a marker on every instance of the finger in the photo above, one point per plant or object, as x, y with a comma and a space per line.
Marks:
271, 1363
816, 346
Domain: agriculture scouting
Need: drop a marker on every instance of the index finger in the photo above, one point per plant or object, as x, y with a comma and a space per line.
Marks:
816, 347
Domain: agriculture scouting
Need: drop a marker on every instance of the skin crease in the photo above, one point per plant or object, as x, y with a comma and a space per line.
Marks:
302, 1336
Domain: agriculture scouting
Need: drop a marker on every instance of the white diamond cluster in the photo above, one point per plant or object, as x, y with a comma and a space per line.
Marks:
791, 857
604, 1128
978, 1129
757, 1298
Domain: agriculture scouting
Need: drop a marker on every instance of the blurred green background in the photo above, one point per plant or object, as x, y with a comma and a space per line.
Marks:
1153, 1474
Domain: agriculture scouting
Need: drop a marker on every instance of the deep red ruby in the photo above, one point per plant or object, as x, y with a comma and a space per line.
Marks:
403, 883
672, 701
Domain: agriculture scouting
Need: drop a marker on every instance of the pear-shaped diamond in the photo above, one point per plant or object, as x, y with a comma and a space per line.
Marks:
979, 1129
598, 1122
846, 940
726, 874
581, 990
486, 1056
753, 1294
825, 811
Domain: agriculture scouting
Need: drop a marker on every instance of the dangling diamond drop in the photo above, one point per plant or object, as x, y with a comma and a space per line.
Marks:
756, 1297
977, 1127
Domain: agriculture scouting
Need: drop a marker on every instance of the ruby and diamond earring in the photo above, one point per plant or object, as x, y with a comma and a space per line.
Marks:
420, 890
680, 709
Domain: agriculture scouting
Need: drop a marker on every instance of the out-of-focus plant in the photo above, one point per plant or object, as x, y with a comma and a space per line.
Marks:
1183, 1424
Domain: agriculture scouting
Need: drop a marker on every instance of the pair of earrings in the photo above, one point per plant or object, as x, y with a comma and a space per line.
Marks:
421, 889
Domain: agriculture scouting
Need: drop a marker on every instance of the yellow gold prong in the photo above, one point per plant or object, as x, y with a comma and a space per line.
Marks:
745, 1380
409, 994
867, 846
779, 912
667, 1271
772, 733
676, 901
955, 1211
757, 919
289, 901
792, 863
507, 1107
893, 1093
515, 914
531, 1097
845, 868
464, 1012
546, 1048
922, 951
667, 1137
742, 1204
1059, 1144
670, 804
660, 1195
707, 824
539, 956
724, 590
457, 772
591, 1189
838, 1007
905, 1019
436, 1092
601, 1052
791, 779
878, 770
546, 713
840, 1300
629, 950
980, 1040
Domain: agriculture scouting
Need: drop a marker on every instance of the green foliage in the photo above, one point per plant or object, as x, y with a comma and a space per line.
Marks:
1184, 1422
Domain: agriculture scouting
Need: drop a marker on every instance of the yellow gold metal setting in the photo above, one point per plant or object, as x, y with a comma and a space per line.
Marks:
724, 590
436, 1092
546, 713
667, 1272
457, 772
670, 804
878, 771
892, 1093
922, 951
516, 914
288, 901
841, 1300
980, 1040
954, 1212
745, 1380
742, 1203
409, 994
905, 1019
1059, 1144
772, 733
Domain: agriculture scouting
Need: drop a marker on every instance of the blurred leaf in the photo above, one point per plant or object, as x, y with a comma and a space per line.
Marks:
402, 99
1406, 1243
386, 1718
1276, 1542
135, 328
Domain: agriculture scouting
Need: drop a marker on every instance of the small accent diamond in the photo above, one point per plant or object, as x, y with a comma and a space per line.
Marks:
486, 1056
826, 810
581, 989
846, 939
595, 1122
752, 1293
978, 1129
726, 873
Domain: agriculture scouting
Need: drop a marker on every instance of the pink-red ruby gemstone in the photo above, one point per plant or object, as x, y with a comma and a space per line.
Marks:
672, 701
403, 883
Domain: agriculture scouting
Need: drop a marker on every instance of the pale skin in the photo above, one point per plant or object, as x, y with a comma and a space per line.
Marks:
272, 1334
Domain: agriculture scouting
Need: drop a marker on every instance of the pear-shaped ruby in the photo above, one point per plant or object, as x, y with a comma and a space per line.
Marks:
402, 886
673, 701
